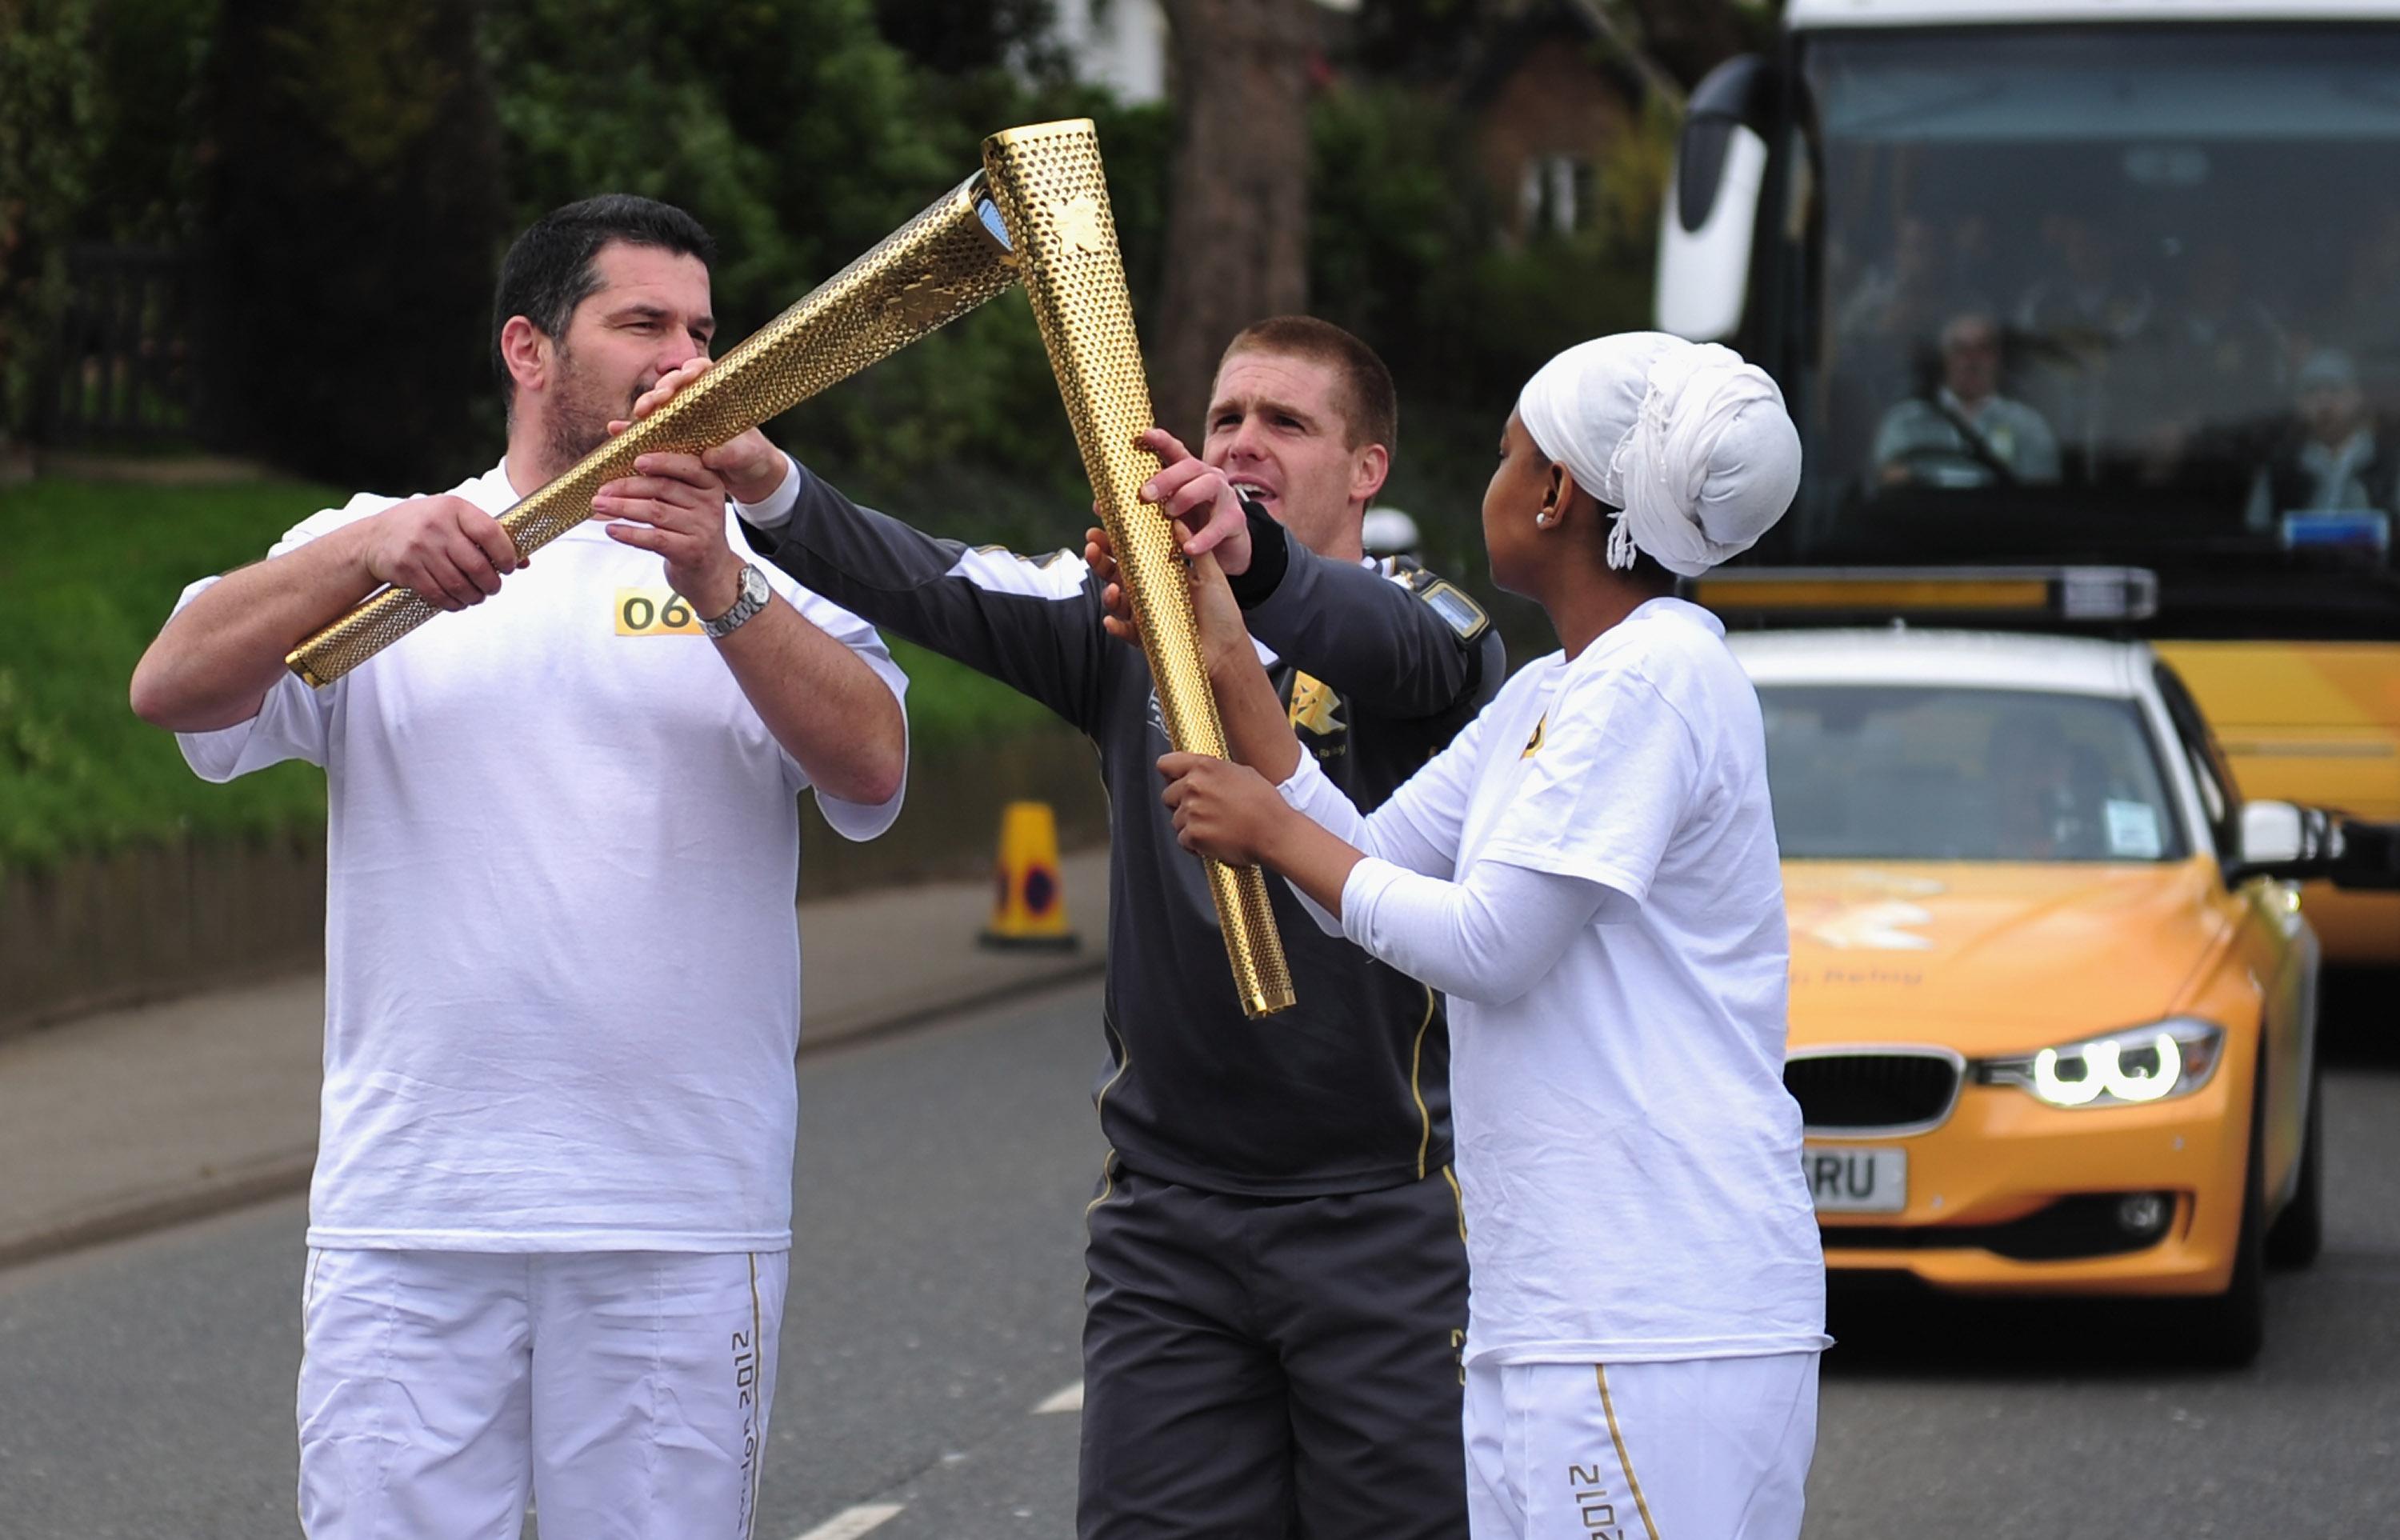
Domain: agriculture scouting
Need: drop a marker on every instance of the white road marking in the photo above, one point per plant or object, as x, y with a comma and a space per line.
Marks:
1068, 1399
851, 1522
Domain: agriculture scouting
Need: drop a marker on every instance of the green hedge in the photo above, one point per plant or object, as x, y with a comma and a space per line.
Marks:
88, 571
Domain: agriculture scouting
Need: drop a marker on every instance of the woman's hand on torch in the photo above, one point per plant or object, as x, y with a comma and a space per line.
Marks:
1230, 812
1224, 638
1223, 810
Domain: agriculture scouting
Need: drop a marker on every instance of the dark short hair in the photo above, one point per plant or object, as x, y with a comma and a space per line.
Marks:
548, 270
1371, 407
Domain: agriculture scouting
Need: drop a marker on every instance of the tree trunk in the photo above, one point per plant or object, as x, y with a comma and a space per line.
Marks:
1237, 212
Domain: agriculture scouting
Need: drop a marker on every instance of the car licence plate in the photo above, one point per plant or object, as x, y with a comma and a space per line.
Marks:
1856, 1180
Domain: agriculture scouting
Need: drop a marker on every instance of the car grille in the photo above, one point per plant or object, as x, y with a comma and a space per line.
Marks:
1872, 1090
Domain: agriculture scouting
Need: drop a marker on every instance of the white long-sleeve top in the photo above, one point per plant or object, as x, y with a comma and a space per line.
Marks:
1590, 871
1485, 939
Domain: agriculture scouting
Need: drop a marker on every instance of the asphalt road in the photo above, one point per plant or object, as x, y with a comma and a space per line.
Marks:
146, 1389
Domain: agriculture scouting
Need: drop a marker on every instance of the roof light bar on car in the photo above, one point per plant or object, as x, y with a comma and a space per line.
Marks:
1991, 592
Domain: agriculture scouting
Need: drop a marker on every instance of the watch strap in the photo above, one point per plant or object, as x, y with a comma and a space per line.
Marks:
752, 598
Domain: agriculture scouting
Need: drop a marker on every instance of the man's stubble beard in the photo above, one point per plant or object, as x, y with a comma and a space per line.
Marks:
579, 422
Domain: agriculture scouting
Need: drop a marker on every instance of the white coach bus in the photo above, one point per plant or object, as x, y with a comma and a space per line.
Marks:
2089, 311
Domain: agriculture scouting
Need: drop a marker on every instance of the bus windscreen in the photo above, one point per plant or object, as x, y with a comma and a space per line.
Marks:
2124, 295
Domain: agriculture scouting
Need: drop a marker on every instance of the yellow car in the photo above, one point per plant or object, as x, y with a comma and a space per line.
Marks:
2053, 995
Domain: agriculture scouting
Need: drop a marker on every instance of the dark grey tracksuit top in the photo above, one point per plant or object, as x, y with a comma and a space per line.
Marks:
1347, 1091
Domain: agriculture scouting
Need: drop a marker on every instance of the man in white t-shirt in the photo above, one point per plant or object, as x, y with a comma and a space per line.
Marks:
550, 1227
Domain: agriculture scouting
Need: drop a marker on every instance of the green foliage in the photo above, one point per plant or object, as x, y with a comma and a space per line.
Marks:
1404, 247
49, 136
89, 572
802, 131
1404, 251
801, 137
99, 141
951, 706
150, 58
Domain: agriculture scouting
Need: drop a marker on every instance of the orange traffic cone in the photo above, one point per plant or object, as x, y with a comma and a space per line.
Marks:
1029, 907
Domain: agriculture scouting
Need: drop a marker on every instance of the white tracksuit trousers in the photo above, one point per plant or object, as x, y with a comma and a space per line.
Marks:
627, 1393
1698, 1449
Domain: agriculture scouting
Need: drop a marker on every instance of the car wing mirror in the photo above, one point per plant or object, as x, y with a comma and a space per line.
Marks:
2295, 844
2273, 834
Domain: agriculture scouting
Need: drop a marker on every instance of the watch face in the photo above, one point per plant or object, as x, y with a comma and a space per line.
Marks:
753, 586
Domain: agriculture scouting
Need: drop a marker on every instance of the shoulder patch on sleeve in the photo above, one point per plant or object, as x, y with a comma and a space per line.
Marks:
997, 569
1462, 615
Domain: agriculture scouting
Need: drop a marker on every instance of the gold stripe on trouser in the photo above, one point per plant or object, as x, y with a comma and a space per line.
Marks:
1108, 1188
1615, 1436
1424, 1113
1100, 1113
1456, 1198
759, 1346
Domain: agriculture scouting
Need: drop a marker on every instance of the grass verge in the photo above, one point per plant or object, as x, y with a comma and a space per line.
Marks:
90, 570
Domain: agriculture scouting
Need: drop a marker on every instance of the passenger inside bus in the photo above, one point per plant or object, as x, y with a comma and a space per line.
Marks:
1964, 432
2331, 459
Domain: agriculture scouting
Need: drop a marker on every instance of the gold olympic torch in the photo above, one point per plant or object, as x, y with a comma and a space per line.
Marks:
935, 268
1048, 183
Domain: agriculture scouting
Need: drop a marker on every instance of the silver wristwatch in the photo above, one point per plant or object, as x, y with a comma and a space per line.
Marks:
753, 597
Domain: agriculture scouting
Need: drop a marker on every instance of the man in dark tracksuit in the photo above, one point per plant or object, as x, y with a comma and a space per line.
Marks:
1278, 1271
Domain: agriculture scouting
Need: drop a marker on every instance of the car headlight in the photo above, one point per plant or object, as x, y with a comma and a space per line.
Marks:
2141, 1064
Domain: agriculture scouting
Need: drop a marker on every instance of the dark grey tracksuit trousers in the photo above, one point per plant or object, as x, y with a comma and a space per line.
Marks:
1263, 1367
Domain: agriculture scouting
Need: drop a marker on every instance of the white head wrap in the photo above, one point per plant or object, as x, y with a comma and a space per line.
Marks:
1690, 441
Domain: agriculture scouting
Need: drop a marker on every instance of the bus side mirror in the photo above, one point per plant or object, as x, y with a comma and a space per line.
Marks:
2295, 844
1711, 214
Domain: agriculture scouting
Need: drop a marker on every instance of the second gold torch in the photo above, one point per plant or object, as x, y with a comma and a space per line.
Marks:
1047, 182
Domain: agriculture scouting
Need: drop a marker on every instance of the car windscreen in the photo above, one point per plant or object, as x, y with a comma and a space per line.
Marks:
1897, 773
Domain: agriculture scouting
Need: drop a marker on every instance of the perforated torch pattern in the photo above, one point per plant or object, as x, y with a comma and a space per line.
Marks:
1048, 183
932, 270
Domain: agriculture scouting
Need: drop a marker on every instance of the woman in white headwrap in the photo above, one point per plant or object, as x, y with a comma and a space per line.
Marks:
1590, 872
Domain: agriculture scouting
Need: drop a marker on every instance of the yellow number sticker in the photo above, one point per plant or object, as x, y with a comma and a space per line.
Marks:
654, 612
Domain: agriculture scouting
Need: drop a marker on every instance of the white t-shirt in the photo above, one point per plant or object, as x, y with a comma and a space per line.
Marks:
1630, 1158
562, 973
